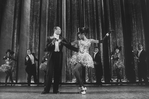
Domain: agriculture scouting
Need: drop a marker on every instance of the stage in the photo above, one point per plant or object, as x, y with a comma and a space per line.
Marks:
71, 92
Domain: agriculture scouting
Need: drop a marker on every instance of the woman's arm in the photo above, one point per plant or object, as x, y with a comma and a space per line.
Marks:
94, 41
100, 41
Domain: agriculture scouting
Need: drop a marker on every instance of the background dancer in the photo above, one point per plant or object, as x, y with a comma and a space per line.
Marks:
8, 67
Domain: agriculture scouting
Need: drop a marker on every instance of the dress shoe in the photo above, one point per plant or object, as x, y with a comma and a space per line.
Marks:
83, 92
44, 92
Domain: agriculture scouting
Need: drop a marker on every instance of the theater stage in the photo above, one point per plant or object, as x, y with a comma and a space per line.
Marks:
71, 92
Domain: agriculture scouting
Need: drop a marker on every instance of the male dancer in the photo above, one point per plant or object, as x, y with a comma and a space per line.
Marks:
55, 44
142, 67
98, 66
30, 66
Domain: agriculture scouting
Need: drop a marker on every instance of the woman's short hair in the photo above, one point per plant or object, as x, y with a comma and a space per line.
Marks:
10, 51
83, 30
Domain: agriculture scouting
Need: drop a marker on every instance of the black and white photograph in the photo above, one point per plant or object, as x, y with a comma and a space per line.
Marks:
74, 49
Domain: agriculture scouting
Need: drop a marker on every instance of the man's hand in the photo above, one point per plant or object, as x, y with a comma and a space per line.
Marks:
27, 58
53, 41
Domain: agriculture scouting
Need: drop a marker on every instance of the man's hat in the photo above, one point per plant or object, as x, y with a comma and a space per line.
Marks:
83, 30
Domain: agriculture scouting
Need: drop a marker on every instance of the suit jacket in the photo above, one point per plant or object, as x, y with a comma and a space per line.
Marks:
98, 64
29, 66
142, 58
97, 58
50, 47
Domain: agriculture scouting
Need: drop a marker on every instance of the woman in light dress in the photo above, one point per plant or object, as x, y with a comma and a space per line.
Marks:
118, 64
82, 58
8, 67
44, 62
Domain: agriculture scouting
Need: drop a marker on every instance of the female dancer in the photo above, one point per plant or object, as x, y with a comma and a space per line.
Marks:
44, 63
118, 64
82, 58
8, 67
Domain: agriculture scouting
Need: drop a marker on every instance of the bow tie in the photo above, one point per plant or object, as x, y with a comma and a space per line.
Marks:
56, 39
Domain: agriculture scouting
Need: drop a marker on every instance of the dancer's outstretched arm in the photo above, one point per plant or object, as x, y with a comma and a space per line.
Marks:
96, 41
99, 41
69, 45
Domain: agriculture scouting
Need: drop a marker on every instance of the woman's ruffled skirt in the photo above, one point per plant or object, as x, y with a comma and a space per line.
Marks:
43, 66
84, 58
118, 64
5, 68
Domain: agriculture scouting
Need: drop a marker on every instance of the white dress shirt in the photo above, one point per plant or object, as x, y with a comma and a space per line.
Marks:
32, 58
56, 42
57, 46
139, 53
95, 54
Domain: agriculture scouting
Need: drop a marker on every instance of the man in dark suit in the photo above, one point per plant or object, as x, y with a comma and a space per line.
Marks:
55, 44
142, 66
98, 66
30, 66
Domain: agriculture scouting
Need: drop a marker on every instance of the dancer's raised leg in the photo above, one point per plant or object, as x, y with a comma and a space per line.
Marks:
76, 71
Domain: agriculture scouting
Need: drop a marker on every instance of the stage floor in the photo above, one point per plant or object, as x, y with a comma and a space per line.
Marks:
71, 92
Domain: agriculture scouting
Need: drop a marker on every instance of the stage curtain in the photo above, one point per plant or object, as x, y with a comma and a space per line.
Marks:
6, 32
101, 16
25, 24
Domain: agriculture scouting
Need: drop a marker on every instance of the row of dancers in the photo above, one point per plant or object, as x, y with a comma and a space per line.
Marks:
52, 61
82, 58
